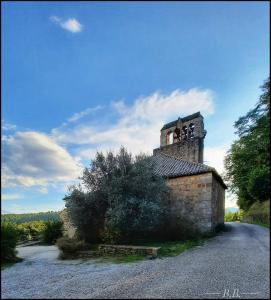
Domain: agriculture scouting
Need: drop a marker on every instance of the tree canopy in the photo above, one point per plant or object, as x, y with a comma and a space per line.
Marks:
247, 162
120, 198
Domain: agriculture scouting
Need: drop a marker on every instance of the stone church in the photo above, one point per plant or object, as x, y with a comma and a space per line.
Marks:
198, 192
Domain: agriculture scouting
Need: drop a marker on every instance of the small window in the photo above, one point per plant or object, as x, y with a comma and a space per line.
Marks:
169, 138
191, 130
184, 133
177, 135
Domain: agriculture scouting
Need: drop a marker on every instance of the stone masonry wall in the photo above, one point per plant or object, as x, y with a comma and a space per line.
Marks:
199, 199
191, 150
218, 203
191, 199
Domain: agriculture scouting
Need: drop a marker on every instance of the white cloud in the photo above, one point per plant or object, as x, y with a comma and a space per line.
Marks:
230, 200
31, 158
137, 126
214, 157
71, 24
75, 117
11, 197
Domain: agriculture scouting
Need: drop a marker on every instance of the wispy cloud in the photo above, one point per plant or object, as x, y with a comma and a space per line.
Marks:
75, 117
70, 24
7, 126
37, 159
11, 196
137, 126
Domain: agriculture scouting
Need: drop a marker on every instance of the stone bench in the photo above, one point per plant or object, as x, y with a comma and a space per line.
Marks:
128, 250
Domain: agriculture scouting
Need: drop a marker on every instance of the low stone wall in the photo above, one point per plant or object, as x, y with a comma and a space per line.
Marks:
128, 250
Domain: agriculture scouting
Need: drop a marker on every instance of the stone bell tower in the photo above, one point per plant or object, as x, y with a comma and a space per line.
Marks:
183, 138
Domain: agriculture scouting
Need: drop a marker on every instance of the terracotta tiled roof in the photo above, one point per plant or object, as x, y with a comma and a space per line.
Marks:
169, 167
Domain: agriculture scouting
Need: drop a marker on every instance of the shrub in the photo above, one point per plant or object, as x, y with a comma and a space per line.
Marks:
69, 246
9, 237
51, 232
30, 230
123, 199
132, 219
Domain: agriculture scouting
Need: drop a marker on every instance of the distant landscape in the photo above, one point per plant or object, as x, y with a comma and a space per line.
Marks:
29, 217
231, 209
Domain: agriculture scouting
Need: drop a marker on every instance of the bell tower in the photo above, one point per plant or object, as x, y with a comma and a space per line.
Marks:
183, 138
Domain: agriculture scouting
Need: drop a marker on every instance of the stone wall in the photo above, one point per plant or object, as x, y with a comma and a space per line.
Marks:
218, 203
190, 150
198, 199
190, 146
198, 129
127, 250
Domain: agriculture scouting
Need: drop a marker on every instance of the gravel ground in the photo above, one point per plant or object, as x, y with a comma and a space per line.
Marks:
236, 261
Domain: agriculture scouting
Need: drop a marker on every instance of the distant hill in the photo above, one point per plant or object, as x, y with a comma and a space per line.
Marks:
231, 209
22, 218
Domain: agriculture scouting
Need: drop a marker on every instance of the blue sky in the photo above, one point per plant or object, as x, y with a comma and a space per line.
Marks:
79, 77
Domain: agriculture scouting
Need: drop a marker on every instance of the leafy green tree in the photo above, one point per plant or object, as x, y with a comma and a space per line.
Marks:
9, 237
51, 232
247, 162
122, 198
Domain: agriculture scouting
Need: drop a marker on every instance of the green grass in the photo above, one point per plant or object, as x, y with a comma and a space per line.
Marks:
173, 248
168, 249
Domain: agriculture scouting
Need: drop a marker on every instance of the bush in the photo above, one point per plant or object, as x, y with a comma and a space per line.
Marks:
51, 232
132, 219
9, 237
69, 246
30, 230
123, 199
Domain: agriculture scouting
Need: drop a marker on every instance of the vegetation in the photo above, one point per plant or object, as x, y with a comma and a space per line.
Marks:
258, 213
9, 237
30, 230
233, 216
69, 246
123, 199
23, 218
51, 232
248, 161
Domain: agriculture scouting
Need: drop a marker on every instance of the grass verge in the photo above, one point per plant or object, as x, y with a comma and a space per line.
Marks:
167, 249
257, 223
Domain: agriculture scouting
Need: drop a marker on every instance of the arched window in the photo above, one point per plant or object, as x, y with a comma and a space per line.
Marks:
177, 135
191, 130
169, 138
184, 133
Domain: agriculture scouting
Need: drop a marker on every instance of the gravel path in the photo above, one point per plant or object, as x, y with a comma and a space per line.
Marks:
236, 261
